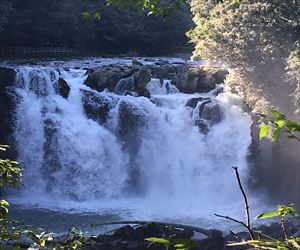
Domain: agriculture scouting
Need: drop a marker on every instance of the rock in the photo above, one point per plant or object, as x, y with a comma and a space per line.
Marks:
192, 79
147, 230
202, 125
124, 86
211, 112
96, 105
214, 242
141, 78
194, 101
126, 232
144, 92
164, 71
101, 78
136, 62
62, 88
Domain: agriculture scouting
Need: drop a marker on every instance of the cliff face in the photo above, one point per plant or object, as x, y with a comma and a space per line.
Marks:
276, 166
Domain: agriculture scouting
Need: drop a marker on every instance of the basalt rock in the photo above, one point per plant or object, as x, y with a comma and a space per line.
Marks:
103, 78
192, 103
62, 88
97, 105
211, 112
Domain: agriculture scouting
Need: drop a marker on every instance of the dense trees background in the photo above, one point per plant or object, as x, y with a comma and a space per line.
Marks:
60, 23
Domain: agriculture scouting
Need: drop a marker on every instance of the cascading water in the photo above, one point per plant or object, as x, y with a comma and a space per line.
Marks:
145, 157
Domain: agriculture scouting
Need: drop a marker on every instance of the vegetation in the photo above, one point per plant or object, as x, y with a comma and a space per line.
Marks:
66, 24
258, 39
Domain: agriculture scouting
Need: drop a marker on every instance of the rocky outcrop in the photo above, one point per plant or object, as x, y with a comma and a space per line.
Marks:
192, 103
209, 112
62, 88
102, 78
187, 78
131, 238
191, 79
96, 105
131, 117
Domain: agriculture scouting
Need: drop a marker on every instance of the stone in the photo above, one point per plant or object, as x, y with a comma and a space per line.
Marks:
101, 79
124, 86
211, 112
141, 78
202, 125
62, 88
126, 232
97, 105
136, 62
194, 101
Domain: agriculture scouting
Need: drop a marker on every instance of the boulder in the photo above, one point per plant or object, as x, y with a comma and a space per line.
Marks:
62, 88
124, 86
103, 78
136, 62
97, 105
141, 78
202, 125
192, 79
194, 101
211, 112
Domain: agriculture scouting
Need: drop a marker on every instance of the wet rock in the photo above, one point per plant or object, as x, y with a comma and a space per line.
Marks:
126, 232
164, 71
147, 230
203, 126
97, 105
62, 88
125, 85
101, 78
141, 78
214, 242
194, 101
211, 112
136, 62
192, 79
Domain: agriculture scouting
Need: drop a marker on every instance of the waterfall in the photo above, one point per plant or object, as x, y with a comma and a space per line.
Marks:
106, 150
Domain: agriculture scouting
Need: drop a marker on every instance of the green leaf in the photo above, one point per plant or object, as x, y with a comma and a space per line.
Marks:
158, 240
267, 215
276, 134
280, 123
263, 131
277, 115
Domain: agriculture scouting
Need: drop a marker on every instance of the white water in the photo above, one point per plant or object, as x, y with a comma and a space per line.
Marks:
161, 167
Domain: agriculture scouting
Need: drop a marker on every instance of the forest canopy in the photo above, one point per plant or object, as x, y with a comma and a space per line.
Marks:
52, 23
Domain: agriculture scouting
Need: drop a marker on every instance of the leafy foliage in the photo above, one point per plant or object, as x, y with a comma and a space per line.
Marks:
178, 244
278, 123
280, 211
12, 233
92, 25
258, 40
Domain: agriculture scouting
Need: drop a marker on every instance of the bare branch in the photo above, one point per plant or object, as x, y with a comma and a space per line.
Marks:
245, 201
